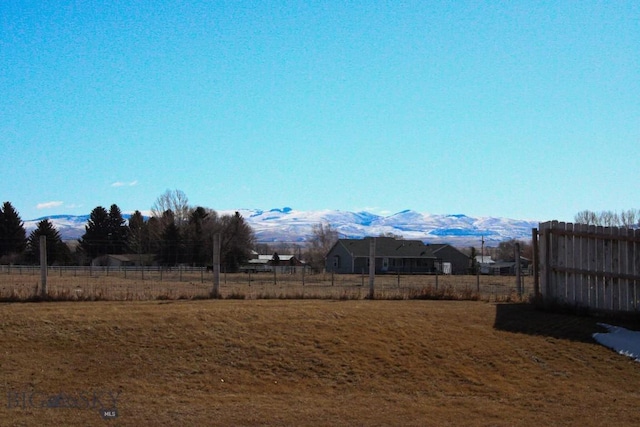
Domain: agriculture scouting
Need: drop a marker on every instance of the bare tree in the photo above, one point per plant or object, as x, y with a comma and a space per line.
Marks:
393, 236
586, 217
263, 248
323, 238
609, 218
175, 201
629, 218
506, 250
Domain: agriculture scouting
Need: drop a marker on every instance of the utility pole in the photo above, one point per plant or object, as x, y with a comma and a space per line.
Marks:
480, 265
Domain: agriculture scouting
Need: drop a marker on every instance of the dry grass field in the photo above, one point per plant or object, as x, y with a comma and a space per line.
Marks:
308, 362
19, 283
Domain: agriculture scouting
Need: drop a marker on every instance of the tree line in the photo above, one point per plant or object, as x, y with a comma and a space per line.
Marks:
629, 218
175, 233
16, 247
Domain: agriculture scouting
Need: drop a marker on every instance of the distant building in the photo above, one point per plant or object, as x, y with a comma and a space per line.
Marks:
125, 260
453, 261
392, 256
485, 262
275, 262
509, 268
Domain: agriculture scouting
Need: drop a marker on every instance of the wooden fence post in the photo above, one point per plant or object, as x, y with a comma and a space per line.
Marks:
591, 266
613, 268
582, 252
544, 263
536, 266
570, 264
560, 260
43, 266
634, 260
215, 292
372, 267
623, 268
552, 260
518, 270
601, 283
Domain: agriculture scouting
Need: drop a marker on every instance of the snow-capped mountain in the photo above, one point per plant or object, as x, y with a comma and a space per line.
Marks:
289, 225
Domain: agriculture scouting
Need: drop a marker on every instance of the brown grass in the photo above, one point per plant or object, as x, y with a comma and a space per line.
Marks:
277, 362
97, 284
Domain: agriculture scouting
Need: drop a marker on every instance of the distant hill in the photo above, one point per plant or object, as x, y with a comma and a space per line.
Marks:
289, 225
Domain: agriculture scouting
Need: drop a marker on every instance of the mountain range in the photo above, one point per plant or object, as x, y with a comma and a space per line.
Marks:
290, 225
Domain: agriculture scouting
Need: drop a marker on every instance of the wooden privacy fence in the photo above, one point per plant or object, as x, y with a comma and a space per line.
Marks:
588, 266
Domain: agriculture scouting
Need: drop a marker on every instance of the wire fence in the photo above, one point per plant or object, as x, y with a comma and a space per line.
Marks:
21, 283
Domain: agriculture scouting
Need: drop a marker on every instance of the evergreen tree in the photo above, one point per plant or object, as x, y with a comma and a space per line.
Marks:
118, 231
138, 236
197, 238
236, 241
474, 263
57, 251
12, 233
95, 240
275, 259
154, 229
170, 241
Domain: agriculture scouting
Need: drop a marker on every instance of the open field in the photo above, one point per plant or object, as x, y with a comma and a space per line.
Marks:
135, 284
311, 362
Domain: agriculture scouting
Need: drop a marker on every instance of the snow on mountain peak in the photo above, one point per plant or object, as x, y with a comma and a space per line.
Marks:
289, 225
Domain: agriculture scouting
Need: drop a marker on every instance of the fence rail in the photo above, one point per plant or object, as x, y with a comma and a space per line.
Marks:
147, 283
589, 266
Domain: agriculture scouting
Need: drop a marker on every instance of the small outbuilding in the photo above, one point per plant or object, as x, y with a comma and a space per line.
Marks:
124, 260
453, 261
275, 262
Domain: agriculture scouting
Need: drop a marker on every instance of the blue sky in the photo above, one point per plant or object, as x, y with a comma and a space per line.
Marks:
526, 110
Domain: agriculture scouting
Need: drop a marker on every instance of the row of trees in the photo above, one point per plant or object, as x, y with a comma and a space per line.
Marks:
629, 218
12, 234
176, 233
16, 246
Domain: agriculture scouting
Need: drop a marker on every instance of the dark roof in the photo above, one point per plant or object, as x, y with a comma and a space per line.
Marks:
388, 247
132, 257
436, 247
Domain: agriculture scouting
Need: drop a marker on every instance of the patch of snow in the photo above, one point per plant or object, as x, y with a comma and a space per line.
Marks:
620, 340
